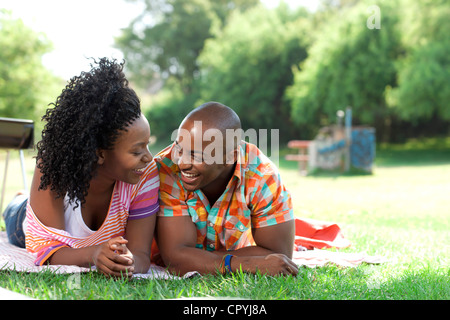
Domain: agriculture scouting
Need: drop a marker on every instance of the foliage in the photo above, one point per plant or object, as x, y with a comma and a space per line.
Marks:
168, 110
349, 65
395, 78
247, 64
279, 68
293, 70
424, 71
166, 39
24, 82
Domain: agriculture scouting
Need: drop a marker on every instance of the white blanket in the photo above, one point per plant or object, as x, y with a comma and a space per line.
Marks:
18, 259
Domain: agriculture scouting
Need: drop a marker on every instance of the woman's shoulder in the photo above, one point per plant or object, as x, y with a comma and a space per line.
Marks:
148, 183
150, 176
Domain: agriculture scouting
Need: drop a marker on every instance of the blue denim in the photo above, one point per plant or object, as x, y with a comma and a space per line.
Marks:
14, 215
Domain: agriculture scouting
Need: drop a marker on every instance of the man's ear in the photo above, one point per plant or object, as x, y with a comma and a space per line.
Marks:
101, 156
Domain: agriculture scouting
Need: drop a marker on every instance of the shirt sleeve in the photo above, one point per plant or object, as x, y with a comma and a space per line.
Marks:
271, 202
41, 240
171, 196
144, 201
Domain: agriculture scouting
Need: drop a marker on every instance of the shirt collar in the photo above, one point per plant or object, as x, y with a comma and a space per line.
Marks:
241, 163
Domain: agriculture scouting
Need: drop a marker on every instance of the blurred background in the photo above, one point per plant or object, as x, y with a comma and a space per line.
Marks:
295, 66
288, 65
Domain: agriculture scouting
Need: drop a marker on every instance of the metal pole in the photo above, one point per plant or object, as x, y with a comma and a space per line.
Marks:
24, 176
4, 181
348, 136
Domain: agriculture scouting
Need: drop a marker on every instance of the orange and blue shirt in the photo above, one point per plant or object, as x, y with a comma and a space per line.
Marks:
255, 197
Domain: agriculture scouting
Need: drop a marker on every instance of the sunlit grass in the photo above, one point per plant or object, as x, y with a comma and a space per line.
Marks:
400, 212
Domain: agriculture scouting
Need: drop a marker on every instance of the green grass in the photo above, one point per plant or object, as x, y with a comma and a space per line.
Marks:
401, 212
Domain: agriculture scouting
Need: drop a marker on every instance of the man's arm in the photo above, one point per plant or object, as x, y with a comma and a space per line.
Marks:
275, 243
273, 239
278, 238
177, 238
272, 202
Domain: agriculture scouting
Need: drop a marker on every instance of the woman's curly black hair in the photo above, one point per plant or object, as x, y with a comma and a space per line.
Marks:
88, 115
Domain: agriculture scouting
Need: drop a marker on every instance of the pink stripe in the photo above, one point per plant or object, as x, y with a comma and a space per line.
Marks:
38, 235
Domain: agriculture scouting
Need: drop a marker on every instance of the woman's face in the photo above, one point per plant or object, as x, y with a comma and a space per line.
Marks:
129, 156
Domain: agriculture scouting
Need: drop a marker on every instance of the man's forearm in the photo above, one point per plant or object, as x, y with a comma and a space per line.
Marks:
249, 259
248, 251
186, 259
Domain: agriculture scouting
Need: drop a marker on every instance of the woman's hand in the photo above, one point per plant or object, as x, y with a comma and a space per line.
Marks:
112, 258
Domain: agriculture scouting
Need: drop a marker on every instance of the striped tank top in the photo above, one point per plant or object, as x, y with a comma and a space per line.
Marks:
128, 202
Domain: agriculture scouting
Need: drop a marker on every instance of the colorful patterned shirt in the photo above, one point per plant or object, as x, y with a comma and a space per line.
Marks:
128, 202
255, 197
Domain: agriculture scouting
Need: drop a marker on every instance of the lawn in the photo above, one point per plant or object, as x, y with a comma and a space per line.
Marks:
401, 212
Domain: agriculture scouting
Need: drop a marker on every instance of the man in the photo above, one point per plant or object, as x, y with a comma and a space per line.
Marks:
223, 206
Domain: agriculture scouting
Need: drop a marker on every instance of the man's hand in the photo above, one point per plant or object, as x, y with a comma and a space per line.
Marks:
278, 264
274, 264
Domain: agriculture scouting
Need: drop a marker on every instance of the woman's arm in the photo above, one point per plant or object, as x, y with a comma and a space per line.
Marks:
106, 260
49, 210
46, 206
139, 233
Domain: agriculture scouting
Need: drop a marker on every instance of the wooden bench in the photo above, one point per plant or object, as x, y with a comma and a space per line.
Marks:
302, 157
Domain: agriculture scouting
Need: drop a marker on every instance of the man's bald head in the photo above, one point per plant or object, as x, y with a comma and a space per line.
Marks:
215, 115
212, 126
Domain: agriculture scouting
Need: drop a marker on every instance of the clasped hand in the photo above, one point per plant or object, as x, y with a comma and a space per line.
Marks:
112, 258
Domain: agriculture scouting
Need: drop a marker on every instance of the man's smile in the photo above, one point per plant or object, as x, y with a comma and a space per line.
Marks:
189, 175
189, 178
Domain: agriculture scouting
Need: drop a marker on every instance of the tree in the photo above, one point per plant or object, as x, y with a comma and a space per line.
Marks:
349, 64
24, 80
167, 38
423, 91
248, 64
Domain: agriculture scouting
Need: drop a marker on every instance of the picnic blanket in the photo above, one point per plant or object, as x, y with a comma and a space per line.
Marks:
19, 259
312, 239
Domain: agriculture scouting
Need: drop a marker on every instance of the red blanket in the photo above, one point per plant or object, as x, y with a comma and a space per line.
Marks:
312, 234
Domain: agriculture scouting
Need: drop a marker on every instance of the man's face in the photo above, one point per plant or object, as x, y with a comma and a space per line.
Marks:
195, 158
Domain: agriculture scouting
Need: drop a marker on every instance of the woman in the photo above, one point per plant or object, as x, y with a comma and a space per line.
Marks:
94, 192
